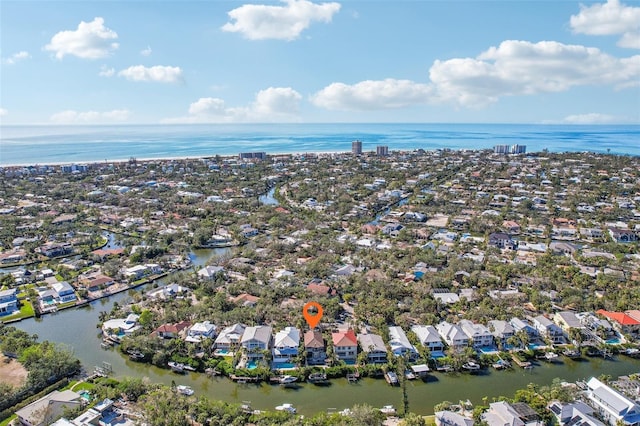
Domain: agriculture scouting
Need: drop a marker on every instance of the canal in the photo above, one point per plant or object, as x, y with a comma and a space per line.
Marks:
77, 328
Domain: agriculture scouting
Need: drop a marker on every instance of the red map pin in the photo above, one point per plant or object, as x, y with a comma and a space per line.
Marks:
312, 318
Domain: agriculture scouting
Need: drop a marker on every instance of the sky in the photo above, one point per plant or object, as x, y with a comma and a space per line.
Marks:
307, 61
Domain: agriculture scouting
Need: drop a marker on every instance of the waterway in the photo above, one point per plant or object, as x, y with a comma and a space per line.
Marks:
77, 328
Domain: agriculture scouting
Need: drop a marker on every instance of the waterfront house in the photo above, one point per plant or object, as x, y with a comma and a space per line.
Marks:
429, 338
519, 324
613, 407
285, 345
136, 272
210, 272
52, 249
501, 330
453, 335
568, 320
95, 281
314, 347
121, 326
517, 414
574, 413
229, 337
548, 329
345, 345
172, 331
8, 301
49, 408
399, 343
373, 346
622, 321
480, 335
168, 292
450, 418
200, 331
256, 339
64, 292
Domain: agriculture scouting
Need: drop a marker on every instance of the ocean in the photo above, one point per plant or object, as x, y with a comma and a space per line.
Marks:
29, 145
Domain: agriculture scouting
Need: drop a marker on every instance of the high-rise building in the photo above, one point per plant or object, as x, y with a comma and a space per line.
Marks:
252, 155
518, 149
509, 149
356, 147
382, 151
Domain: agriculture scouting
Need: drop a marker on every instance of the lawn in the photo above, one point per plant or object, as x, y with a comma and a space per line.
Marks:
6, 422
26, 311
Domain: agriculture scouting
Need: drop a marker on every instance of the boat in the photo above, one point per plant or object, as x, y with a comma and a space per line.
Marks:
176, 367
286, 407
409, 374
318, 379
632, 352
501, 364
471, 366
572, 353
284, 380
136, 356
106, 344
352, 377
550, 356
391, 378
184, 390
388, 410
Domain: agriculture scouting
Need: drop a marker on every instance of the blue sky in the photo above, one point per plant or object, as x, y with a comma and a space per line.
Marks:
98, 62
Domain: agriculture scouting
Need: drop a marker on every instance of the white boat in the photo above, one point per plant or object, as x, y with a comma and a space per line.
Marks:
287, 379
286, 407
550, 356
176, 367
388, 409
471, 366
184, 390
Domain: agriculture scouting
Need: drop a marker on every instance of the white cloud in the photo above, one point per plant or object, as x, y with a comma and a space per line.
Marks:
146, 52
75, 117
16, 57
591, 118
525, 68
372, 95
106, 71
92, 40
275, 104
3, 112
609, 18
260, 22
158, 73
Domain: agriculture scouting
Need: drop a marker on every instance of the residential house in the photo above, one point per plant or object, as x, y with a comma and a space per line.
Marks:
568, 321
622, 321
450, 418
167, 292
65, 293
613, 407
285, 345
136, 272
502, 240
55, 249
621, 235
229, 337
517, 414
8, 301
453, 335
574, 413
429, 338
399, 343
345, 345
479, 334
314, 347
172, 331
200, 331
548, 329
210, 272
520, 324
256, 339
49, 408
121, 326
501, 330
374, 347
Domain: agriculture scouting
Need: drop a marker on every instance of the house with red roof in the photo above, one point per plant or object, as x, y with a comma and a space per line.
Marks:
622, 321
172, 331
345, 345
